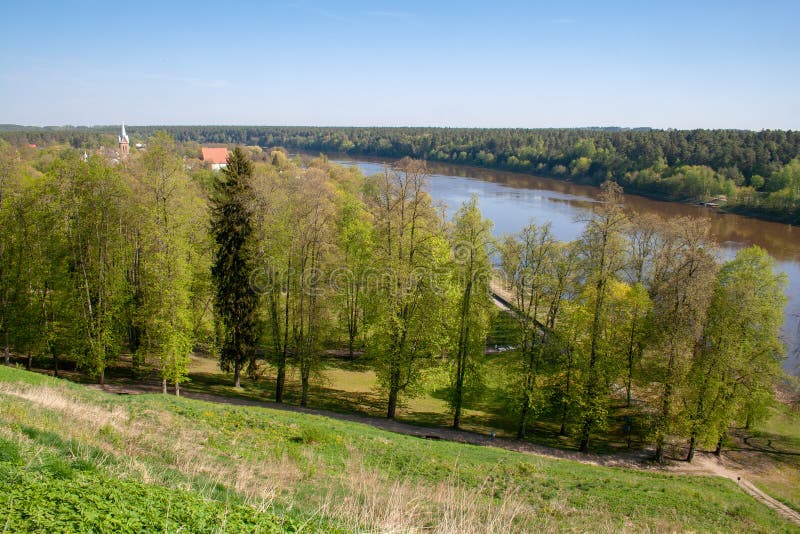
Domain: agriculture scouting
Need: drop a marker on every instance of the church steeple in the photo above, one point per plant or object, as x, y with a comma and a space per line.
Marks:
124, 146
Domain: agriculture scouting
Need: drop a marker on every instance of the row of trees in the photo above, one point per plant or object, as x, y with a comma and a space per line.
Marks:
309, 256
635, 310
751, 168
98, 260
639, 311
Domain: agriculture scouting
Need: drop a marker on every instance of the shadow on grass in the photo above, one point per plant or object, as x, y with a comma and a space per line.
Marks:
488, 408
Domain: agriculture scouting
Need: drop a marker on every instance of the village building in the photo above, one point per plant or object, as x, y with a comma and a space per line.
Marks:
216, 156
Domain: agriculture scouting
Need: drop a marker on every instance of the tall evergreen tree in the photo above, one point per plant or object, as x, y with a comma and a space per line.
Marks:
236, 302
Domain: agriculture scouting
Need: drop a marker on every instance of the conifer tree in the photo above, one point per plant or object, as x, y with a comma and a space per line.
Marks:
236, 302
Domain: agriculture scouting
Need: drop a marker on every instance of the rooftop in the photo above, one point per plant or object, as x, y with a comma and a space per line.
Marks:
215, 155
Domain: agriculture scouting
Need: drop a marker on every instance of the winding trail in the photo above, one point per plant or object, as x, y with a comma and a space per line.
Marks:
704, 463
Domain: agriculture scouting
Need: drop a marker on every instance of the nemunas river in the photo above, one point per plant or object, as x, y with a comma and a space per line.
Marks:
511, 200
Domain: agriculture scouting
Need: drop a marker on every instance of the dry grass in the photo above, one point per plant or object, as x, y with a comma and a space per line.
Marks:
152, 434
372, 501
362, 479
55, 399
362, 499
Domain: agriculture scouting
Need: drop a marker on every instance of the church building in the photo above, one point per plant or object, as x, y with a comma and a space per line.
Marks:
124, 143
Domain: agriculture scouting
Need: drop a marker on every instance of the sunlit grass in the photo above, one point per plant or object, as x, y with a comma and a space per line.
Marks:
352, 475
772, 452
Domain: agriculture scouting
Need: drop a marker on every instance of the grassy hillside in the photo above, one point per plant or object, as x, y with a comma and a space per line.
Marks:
80, 458
772, 453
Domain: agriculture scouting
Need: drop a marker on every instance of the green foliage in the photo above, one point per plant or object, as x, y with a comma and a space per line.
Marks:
735, 370
681, 288
673, 164
236, 302
472, 244
528, 262
411, 267
92, 200
100, 258
60, 497
162, 273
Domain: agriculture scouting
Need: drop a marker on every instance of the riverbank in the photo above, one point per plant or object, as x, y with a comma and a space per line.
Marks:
788, 218
511, 200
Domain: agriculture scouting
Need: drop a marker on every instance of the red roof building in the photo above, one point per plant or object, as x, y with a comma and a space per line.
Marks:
217, 157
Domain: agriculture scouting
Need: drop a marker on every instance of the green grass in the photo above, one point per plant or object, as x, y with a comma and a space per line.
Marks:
349, 385
55, 495
772, 451
151, 453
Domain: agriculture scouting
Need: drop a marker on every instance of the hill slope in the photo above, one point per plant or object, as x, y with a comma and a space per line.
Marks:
150, 461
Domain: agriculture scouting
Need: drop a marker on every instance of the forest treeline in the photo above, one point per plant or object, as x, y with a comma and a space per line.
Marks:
271, 262
757, 173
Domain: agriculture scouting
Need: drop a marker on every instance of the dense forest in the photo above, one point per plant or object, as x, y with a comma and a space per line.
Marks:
755, 173
271, 262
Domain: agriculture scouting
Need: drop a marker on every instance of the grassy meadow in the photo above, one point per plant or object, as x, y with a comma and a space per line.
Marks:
154, 462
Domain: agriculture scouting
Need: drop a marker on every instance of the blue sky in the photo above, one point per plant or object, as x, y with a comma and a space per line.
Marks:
676, 64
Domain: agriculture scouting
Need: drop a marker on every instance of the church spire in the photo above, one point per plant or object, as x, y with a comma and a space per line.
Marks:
124, 147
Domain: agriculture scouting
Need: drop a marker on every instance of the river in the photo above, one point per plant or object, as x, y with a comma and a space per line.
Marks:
511, 200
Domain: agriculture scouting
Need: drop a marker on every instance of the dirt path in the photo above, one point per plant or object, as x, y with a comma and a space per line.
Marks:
704, 464
710, 464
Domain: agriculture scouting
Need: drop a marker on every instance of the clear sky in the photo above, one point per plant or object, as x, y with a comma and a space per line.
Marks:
665, 64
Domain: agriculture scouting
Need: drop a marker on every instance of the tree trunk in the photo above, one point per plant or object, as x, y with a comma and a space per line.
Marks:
630, 380
659, 456
565, 407
459, 393
282, 361
692, 446
718, 450
55, 364
523, 418
631, 343
463, 350
584, 444
7, 352
666, 408
237, 371
103, 377
177, 389
29, 362
393, 392
164, 386
281, 379
304, 392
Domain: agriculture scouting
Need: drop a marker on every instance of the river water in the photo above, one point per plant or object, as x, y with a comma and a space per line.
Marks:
511, 200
